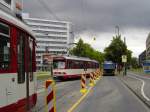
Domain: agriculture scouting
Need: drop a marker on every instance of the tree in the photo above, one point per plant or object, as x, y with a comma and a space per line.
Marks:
85, 50
78, 50
134, 62
116, 49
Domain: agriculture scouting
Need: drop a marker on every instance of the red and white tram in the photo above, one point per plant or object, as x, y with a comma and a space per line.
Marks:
65, 67
17, 65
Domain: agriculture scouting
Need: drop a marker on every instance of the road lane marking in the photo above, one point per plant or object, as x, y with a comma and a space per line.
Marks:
140, 76
79, 101
142, 87
82, 98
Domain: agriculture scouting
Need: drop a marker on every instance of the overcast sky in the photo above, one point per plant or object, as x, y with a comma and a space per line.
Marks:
98, 18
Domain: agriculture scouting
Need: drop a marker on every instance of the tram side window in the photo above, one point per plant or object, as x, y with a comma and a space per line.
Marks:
59, 64
21, 57
30, 58
4, 46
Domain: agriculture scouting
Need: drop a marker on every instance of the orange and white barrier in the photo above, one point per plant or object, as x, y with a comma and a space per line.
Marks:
91, 80
83, 84
50, 96
97, 75
98, 71
94, 75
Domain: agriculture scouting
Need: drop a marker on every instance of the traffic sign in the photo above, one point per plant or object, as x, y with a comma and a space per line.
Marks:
124, 58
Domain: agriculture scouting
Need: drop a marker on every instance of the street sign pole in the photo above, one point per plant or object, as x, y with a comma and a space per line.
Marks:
124, 60
125, 69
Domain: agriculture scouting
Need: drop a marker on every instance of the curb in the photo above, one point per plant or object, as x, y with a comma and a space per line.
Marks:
136, 94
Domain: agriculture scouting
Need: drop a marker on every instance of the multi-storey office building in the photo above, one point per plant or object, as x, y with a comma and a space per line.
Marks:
142, 57
148, 47
51, 35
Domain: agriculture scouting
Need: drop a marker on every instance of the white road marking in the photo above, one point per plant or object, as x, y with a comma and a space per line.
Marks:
140, 76
142, 87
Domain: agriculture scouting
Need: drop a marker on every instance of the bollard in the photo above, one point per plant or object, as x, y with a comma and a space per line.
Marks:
83, 84
94, 75
50, 96
100, 73
91, 80
97, 75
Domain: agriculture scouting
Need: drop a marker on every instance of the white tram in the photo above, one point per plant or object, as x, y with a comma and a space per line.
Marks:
65, 67
17, 65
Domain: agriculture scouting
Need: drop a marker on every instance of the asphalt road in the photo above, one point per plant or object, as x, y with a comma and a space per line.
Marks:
145, 80
111, 95
67, 93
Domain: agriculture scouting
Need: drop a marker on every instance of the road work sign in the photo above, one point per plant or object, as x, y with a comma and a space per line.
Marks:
124, 58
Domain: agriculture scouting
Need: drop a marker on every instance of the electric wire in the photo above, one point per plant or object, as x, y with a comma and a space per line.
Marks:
47, 8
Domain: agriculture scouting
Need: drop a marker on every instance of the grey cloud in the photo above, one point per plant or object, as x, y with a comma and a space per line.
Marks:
95, 15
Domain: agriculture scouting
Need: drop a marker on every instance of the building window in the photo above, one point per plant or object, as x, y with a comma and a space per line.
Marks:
31, 58
50, 32
7, 3
4, 46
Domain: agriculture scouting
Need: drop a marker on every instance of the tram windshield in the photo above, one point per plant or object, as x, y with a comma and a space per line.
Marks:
4, 46
58, 64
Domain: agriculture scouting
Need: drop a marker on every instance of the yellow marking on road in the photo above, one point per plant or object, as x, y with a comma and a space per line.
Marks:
79, 101
82, 98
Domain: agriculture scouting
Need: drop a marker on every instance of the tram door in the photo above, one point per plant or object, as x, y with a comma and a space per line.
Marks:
29, 71
25, 74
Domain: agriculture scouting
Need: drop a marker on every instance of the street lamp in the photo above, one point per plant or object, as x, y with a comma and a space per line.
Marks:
117, 27
69, 47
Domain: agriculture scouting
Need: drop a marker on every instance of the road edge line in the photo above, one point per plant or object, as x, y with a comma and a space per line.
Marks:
136, 94
142, 87
80, 100
139, 76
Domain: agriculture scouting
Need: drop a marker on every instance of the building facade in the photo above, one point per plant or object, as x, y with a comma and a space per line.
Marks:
142, 57
148, 47
52, 36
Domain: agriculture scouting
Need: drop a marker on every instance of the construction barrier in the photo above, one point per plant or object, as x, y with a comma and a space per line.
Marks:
50, 96
97, 75
91, 80
83, 84
94, 75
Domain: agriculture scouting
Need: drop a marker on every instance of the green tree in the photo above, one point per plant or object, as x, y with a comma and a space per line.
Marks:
85, 50
116, 49
78, 50
134, 62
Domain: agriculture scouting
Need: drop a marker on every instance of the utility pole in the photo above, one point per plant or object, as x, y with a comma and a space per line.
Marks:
125, 67
117, 34
68, 49
117, 27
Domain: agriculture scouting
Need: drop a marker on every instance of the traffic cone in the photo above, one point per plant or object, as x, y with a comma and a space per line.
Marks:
83, 84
